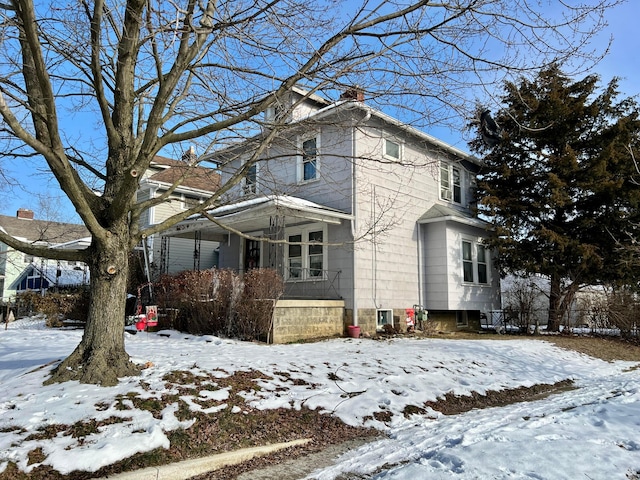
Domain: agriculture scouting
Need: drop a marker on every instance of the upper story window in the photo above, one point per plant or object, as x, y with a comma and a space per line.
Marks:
308, 161
475, 267
450, 183
188, 202
250, 183
275, 113
392, 149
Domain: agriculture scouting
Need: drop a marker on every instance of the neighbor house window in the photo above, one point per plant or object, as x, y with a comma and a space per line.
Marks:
189, 202
391, 149
475, 267
450, 183
306, 254
308, 162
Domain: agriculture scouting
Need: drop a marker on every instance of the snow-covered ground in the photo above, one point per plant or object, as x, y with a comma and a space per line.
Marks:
592, 432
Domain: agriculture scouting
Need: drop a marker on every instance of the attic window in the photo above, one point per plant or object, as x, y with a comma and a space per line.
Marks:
391, 149
275, 113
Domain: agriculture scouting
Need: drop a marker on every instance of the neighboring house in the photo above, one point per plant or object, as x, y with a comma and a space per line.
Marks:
172, 255
20, 271
364, 209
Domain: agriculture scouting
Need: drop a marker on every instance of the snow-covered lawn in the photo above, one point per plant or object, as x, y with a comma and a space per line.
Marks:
592, 432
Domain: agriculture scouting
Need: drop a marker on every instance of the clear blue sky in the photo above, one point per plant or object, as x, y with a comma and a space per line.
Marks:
620, 62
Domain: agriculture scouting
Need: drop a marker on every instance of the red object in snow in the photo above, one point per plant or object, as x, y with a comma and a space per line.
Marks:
141, 324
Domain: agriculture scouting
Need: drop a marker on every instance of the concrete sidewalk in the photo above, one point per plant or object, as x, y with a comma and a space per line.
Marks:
197, 466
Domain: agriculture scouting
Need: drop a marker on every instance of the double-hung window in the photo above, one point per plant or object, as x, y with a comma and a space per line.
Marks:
482, 267
308, 160
450, 183
306, 254
475, 266
251, 179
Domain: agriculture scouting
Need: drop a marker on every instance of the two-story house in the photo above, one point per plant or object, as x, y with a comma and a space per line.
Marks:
348, 202
19, 271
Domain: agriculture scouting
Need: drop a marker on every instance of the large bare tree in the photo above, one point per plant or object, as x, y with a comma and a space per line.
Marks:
145, 76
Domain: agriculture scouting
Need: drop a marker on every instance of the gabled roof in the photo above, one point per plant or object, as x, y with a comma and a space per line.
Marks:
42, 231
55, 274
347, 106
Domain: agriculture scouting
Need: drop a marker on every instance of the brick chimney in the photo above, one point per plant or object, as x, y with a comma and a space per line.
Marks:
353, 93
25, 214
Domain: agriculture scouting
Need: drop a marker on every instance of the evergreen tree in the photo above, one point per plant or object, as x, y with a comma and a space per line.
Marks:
558, 185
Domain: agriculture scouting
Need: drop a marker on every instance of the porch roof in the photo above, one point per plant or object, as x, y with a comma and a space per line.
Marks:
441, 213
256, 214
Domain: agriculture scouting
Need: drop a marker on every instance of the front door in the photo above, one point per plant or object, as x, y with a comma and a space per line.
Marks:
251, 254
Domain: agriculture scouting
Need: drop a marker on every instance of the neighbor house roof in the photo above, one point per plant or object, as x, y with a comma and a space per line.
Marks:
42, 231
55, 273
195, 177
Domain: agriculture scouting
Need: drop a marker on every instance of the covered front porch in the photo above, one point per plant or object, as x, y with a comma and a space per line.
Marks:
288, 234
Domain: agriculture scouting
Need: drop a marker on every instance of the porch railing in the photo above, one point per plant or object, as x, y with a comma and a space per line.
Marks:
313, 284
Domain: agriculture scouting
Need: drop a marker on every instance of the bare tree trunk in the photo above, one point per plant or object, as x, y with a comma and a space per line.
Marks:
100, 358
555, 297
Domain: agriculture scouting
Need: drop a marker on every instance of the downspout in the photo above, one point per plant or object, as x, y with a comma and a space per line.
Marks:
419, 263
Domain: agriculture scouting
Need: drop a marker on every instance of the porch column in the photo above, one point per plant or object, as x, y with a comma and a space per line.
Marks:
276, 250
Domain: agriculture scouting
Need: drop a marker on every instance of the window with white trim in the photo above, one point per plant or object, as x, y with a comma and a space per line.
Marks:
475, 263
482, 267
250, 182
306, 254
392, 149
308, 159
450, 183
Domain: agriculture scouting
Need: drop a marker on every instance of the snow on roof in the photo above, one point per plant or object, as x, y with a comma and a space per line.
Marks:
284, 201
